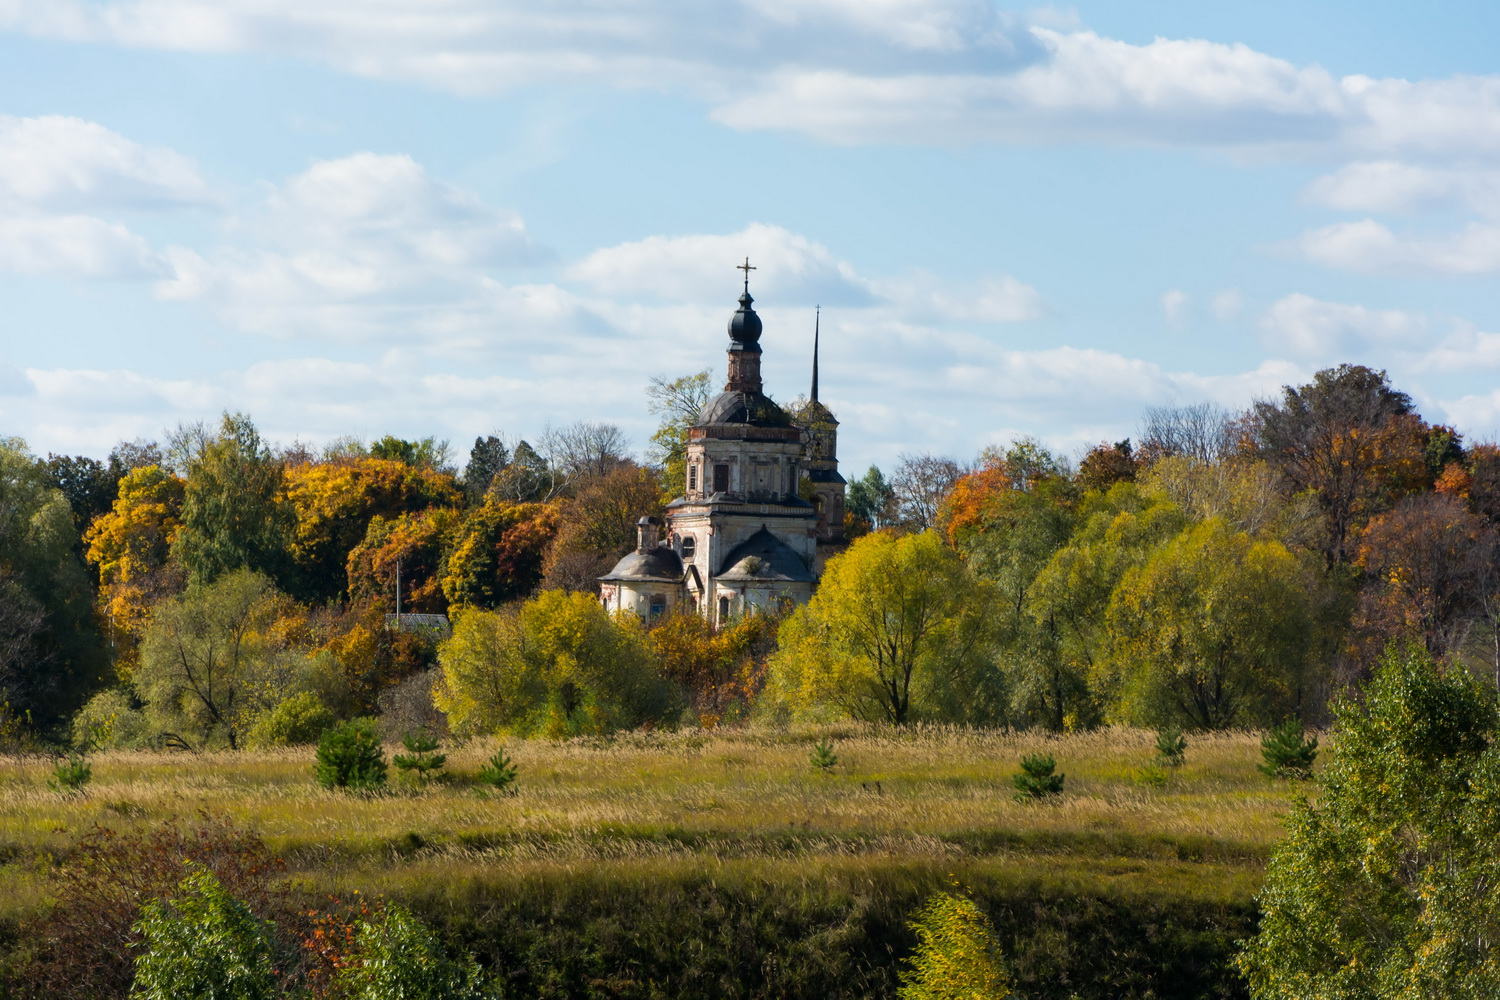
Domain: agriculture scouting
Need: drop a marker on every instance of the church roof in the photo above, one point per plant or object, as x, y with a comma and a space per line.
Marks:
751, 408
658, 563
764, 557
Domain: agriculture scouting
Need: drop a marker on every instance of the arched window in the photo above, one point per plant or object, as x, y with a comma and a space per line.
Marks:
723, 610
658, 605
689, 546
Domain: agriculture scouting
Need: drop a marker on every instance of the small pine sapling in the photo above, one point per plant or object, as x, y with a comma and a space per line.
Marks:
71, 775
349, 756
1170, 747
1036, 779
499, 772
1288, 751
1153, 775
421, 760
823, 759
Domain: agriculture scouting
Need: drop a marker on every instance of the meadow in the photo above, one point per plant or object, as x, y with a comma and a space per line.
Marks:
721, 863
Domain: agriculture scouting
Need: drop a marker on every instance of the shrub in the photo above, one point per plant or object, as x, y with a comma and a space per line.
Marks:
109, 721
1035, 780
1288, 752
823, 758
295, 721
100, 882
499, 772
957, 955
1153, 775
203, 943
349, 756
71, 775
421, 760
1170, 747
398, 956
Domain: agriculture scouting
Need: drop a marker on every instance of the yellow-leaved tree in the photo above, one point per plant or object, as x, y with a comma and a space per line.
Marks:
898, 630
557, 665
957, 955
132, 546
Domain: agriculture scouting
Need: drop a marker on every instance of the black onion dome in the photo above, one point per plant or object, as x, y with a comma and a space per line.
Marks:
743, 408
744, 325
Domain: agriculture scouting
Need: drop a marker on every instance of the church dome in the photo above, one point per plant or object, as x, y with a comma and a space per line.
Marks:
744, 326
660, 564
764, 558
743, 408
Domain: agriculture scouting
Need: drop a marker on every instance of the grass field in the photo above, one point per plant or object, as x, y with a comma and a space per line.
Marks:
652, 817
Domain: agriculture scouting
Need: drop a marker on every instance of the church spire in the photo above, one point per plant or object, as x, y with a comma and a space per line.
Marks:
817, 318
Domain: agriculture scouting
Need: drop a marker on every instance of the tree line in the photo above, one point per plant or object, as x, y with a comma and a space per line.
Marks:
1222, 569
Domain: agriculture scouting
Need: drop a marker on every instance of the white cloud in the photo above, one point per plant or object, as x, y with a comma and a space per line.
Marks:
1389, 186
1174, 303
1311, 328
1368, 245
696, 268
948, 71
1228, 304
363, 246
74, 246
60, 163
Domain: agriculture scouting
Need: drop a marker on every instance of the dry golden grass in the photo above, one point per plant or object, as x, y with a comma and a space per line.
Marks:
729, 797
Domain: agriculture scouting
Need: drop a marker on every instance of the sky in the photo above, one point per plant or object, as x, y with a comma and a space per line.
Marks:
452, 218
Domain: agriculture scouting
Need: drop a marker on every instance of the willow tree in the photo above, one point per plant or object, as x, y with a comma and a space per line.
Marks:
898, 630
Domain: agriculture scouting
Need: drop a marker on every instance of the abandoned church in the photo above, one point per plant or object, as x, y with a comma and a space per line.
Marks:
762, 506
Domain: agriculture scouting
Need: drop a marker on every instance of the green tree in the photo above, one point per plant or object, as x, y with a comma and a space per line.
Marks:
51, 655
201, 657
349, 756
870, 500
203, 943
398, 957
235, 514
957, 955
1214, 630
899, 629
488, 456
1389, 884
677, 402
428, 453
557, 665
1067, 678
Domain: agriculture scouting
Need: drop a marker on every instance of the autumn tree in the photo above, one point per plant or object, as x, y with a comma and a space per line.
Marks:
677, 402
598, 526
131, 548
1428, 562
557, 665
720, 667
1387, 884
1214, 630
498, 552
335, 503
1107, 464
235, 514
898, 630
415, 543
1349, 440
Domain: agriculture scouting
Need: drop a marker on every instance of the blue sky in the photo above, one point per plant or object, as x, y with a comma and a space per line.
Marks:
460, 217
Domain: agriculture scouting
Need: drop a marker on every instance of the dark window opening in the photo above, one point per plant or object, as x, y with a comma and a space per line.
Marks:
721, 479
688, 547
723, 609
692, 478
658, 606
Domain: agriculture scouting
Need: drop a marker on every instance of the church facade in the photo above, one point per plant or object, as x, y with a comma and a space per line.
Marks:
761, 509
